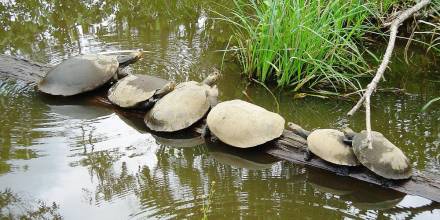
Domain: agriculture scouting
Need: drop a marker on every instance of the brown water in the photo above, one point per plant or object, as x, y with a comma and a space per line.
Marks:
95, 164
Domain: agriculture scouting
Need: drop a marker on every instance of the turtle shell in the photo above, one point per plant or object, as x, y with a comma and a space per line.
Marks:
134, 89
384, 158
328, 145
244, 125
79, 74
179, 109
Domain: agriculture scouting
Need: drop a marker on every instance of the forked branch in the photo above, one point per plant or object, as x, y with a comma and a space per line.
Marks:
365, 99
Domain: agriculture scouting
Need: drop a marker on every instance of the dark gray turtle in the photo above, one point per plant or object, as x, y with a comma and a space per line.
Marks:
328, 144
184, 106
84, 73
242, 124
139, 91
384, 158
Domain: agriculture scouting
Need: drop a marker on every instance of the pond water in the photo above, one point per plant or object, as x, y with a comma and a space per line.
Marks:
93, 163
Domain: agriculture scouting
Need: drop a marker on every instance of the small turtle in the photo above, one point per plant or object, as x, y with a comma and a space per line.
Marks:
139, 91
84, 73
242, 124
184, 106
328, 144
384, 158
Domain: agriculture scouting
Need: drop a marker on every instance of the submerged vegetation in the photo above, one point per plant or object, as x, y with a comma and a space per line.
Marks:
306, 45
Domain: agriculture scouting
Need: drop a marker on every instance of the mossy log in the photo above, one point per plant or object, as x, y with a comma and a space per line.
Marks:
289, 146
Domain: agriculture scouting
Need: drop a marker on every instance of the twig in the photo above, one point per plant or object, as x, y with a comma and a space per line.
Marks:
365, 99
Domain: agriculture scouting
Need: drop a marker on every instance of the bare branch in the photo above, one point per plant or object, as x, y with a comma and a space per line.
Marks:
365, 99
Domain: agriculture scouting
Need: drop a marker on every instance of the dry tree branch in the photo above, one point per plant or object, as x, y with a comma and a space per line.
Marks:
365, 99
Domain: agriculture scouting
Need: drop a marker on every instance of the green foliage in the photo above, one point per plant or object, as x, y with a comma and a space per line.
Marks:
301, 43
306, 45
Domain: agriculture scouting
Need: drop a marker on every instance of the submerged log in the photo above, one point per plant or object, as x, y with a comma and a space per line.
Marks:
289, 146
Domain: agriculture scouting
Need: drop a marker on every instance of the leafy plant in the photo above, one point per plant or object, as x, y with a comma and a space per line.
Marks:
301, 43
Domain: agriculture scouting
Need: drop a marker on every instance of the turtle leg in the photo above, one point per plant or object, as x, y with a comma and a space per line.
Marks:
308, 155
386, 182
206, 132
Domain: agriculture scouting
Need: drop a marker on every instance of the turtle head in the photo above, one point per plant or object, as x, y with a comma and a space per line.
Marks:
348, 135
212, 78
297, 129
167, 88
132, 57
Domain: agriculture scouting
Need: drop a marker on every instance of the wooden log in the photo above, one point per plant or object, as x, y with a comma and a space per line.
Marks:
289, 146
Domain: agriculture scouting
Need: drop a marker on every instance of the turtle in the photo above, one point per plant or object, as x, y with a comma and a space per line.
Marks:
329, 145
84, 73
139, 91
383, 158
242, 124
184, 106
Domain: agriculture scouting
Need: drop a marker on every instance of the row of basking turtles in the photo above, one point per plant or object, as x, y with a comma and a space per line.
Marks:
173, 107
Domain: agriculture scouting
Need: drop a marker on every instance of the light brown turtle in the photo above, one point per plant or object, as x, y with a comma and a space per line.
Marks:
384, 158
84, 73
139, 91
328, 144
242, 124
185, 105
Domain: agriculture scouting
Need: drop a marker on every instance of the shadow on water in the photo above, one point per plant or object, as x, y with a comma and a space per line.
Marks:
98, 161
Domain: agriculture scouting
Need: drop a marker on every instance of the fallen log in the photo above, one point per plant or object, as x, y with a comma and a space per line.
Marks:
289, 146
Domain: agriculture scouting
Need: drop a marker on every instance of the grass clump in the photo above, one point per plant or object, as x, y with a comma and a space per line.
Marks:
301, 43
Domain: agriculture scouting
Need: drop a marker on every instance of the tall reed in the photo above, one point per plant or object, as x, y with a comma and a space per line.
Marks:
301, 43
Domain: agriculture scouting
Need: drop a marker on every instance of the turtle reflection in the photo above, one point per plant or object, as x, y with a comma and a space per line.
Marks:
362, 195
179, 140
252, 159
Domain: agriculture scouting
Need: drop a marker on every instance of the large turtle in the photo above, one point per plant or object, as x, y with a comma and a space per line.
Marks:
139, 91
242, 124
384, 158
184, 106
84, 73
328, 144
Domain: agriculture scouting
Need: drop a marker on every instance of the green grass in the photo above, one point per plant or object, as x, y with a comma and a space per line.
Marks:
300, 43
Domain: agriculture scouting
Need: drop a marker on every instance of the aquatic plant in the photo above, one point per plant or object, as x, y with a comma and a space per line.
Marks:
301, 43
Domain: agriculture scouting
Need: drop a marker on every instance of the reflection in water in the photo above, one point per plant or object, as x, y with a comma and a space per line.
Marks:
13, 206
108, 166
251, 159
